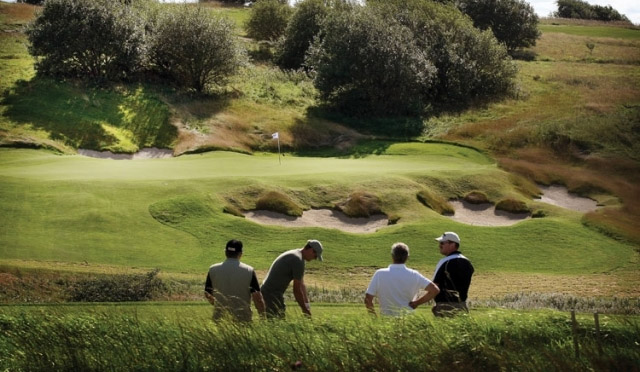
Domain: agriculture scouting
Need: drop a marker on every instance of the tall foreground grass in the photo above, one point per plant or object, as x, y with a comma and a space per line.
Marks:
494, 340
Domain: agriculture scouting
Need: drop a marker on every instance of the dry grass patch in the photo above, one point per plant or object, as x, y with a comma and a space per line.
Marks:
434, 201
596, 177
571, 48
512, 206
17, 14
476, 197
360, 204
276, 201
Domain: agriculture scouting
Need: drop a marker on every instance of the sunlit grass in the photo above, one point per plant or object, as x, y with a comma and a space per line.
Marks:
339, 338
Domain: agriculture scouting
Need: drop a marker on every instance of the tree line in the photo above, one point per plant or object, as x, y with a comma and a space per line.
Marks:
579, 9
386, 58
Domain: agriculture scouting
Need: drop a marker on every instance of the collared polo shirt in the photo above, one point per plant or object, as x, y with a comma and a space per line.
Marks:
395, 287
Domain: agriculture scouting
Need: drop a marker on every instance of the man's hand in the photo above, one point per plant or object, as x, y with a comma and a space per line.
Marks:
210, 298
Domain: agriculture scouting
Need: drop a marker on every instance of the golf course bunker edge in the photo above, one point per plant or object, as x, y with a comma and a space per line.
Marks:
326, 218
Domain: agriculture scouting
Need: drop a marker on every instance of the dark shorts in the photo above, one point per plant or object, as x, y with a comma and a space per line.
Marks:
444, 309
274, 305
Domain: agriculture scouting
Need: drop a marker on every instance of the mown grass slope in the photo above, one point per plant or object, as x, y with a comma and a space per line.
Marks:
574, 123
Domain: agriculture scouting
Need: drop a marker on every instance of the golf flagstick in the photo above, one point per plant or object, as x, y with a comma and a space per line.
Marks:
276, 135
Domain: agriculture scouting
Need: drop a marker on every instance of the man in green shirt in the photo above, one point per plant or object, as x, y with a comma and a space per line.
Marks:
288, 267
231, 285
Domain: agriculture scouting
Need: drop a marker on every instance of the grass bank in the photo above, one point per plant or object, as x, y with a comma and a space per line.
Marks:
172, 337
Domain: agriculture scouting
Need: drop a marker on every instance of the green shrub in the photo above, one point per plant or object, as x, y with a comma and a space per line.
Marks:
91, 39
513, 22
406, 58
435, 202
360, 204
367, 64
268, 20
195, 49
513, 206
117, 288
539, 213
278, 202
302, 27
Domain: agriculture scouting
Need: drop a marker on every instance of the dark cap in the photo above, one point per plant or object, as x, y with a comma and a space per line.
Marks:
234, 246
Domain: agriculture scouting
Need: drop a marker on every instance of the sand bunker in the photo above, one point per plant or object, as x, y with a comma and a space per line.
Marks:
559, 196
326, 218
484, 214
146, 153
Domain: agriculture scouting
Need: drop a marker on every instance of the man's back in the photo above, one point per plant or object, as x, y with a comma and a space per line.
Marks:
288, 266
395, 287
231, 282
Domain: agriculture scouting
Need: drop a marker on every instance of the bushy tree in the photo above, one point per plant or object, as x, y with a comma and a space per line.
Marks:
513, 22
582, 10
471, 65
399, 57
303, 26
194, 48
268, 20
92, 39
574, 9
365, 64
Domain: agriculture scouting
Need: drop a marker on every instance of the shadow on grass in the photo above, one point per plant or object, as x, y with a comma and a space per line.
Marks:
121, 119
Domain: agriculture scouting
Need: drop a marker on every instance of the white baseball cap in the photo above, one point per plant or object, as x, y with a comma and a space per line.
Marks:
449, 236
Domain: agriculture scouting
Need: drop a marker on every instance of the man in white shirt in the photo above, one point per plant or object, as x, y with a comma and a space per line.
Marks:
398, 286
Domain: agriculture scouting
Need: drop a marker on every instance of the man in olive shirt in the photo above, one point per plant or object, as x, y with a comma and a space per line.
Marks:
231, 285
287, 267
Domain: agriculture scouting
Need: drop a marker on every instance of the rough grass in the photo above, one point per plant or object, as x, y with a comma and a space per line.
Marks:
435, 202
278, 202
340, 338
476, 197
360, 204
513, 206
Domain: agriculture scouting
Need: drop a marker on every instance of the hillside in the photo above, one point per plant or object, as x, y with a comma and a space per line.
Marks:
575, 123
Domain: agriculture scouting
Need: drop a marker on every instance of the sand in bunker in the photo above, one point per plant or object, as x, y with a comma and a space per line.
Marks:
146, 153
326, 218
484, 214
559, 196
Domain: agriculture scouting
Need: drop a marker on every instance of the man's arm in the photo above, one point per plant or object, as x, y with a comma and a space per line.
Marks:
258, 301
300, 293
368, 302
208, 291
432, 291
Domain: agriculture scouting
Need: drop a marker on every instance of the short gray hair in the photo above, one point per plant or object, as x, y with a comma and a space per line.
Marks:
400, 252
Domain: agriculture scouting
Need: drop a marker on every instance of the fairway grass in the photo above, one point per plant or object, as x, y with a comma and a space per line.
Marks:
98, 214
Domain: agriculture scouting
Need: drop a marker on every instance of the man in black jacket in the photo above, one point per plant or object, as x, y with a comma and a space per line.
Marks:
453, 276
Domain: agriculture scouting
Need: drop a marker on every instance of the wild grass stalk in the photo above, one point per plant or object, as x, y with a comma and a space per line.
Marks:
104, 341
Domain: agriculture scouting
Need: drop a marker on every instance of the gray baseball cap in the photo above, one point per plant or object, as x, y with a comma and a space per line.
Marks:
316, 246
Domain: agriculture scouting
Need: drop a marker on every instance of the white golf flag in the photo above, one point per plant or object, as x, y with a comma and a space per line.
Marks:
275, 135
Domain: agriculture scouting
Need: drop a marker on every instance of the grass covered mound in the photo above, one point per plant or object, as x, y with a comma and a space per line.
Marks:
275, 201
